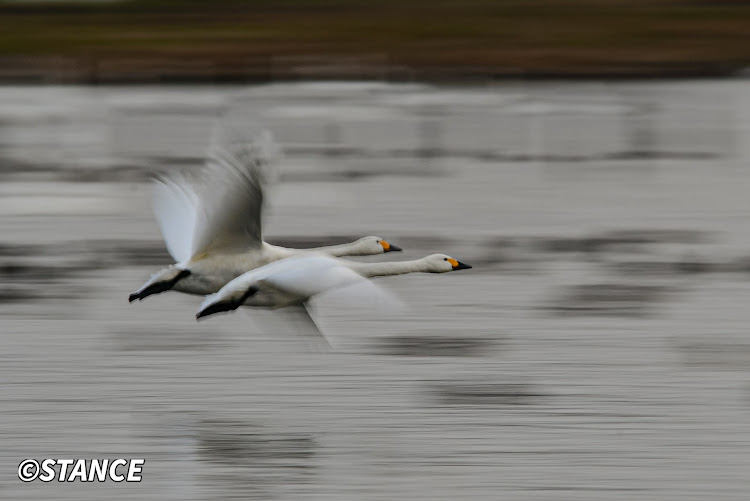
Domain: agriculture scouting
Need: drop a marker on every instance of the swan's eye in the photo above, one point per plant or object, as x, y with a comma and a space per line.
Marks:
445, 259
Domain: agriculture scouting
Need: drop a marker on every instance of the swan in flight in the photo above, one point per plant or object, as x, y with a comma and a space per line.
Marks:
296, 280
212, 225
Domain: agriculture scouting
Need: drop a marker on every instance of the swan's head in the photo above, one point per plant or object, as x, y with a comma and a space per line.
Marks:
441, 263
375, 245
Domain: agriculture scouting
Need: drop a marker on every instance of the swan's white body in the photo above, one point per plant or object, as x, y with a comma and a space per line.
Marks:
212, 227
295, 280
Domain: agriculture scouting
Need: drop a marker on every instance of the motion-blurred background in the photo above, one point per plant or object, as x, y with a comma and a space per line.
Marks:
588, 158
260, 40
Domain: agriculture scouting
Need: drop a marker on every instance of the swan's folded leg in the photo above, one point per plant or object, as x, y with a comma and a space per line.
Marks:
162, 281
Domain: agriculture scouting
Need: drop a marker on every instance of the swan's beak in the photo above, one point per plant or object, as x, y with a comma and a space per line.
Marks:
458, 265
389, 247
158, 287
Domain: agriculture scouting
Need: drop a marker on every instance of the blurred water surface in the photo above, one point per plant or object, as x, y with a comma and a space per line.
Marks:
597, 350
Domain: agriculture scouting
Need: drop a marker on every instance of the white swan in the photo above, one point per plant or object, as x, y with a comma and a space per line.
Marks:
212, 227
294, 281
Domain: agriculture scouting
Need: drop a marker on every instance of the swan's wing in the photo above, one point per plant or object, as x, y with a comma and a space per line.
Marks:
360, 295
308, 276
306, 325
223, 211
299, 277
320, 277
239, 166
176, 211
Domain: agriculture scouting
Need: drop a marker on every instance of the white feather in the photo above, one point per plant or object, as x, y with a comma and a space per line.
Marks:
175, 207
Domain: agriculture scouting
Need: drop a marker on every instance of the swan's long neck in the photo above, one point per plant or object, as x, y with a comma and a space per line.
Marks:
332, 250
389, 268
340, 250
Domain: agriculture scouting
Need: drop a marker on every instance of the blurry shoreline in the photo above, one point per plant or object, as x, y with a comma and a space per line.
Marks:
15, 71
134, 69
186, 41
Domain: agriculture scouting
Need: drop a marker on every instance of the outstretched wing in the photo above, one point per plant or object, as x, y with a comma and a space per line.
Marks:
309, 275
222, 211
176, 211
305, 323
239, 167
313, 277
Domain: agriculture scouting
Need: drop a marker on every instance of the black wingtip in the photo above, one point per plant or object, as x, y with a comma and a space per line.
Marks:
217, 308
203, 313
158, 287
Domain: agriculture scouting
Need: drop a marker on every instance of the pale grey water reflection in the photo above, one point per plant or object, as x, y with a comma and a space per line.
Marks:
598, 349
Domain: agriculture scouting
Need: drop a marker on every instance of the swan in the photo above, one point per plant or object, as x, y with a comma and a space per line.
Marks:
295, 280
212, 227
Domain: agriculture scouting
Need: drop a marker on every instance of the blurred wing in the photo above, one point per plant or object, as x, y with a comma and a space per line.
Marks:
325, 281
324, 278
176, 211
306, 324
308, 276
239, 166
222, 213
361, 295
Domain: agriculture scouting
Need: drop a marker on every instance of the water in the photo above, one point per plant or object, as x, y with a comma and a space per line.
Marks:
597, 350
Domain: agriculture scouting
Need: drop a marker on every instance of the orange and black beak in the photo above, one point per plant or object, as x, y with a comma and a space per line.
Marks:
458, 265
389, 247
